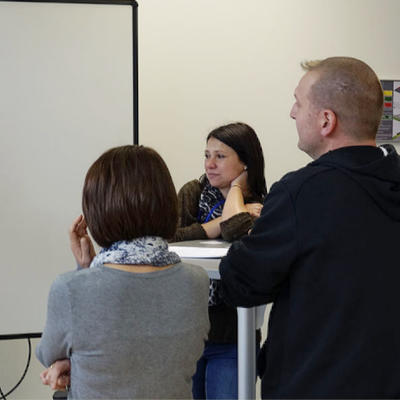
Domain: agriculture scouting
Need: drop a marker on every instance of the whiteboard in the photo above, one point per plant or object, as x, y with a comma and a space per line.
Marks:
68, 92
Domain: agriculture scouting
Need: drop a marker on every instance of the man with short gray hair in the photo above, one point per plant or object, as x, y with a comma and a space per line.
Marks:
325, 248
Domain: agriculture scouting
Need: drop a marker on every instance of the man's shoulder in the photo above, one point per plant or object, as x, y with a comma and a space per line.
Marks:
309, 174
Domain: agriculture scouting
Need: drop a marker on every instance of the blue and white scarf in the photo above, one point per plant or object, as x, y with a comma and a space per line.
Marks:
211, 204
147, 250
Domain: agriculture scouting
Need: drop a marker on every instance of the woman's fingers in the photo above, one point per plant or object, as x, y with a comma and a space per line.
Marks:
44, 377
241, 180
57, 376
75, 223
254, 209
87, 251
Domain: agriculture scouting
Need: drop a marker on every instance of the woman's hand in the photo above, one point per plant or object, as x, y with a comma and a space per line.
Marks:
254, 209
81, 244
241, 181
234, 202
58, 375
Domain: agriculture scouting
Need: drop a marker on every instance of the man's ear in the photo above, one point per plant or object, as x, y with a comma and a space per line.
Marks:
327, 122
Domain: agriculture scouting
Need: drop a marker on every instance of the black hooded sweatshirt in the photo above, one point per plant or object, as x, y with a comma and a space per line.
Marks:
326, 252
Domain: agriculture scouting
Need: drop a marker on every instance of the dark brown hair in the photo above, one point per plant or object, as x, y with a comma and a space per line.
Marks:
351, 89
128, 193
243, 139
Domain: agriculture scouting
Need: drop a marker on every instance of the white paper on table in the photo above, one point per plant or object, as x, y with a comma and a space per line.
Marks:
198, 252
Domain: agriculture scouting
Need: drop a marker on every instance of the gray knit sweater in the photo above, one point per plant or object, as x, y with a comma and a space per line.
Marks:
127, 335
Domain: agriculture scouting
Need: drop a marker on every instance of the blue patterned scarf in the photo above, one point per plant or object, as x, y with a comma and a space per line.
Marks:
147, 250
211, 204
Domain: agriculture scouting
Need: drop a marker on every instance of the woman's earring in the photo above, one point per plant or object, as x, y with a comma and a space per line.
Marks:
245, 168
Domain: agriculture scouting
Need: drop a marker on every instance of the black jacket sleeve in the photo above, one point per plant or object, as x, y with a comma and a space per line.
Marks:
256, 267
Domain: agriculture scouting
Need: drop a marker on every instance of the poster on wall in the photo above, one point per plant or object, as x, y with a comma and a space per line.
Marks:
389, 128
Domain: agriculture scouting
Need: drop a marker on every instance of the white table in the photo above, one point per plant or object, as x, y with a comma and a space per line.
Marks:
207, 254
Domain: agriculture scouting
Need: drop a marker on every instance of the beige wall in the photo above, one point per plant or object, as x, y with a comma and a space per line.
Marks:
206, 63
13, 358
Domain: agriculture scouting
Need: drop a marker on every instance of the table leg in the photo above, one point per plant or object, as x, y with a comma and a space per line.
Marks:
246, 353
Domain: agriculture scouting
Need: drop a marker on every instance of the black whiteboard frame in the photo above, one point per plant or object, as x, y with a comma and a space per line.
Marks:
135, 133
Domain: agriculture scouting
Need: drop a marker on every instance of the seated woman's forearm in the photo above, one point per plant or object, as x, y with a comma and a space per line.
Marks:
192, 232
236, 227
234, 203
212, 228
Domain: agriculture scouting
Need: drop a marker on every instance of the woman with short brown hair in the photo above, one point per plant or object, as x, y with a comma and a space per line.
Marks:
132, 325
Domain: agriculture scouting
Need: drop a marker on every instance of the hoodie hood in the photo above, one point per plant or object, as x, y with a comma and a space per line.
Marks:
375, 170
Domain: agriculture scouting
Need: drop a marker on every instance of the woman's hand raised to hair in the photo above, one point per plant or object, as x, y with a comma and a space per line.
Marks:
80, 242
234, 202
241, 181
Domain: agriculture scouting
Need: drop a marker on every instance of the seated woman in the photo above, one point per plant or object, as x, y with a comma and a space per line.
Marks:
133, 325
224, 202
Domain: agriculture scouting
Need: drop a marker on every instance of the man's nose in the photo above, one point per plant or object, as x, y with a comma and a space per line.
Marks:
292, 114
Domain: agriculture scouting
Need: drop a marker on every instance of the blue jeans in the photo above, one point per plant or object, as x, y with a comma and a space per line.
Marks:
216, 376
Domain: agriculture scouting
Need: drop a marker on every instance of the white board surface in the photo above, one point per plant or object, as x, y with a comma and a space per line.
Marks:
66, 96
